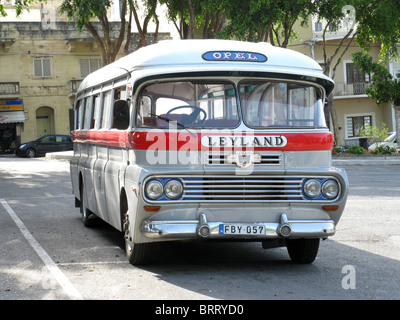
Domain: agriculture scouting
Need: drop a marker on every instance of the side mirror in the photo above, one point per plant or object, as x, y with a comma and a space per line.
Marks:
121, 115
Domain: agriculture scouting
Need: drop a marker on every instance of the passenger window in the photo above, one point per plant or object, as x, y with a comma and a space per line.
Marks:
107, 110
96, 112
87, 115
120, 109
80, 115
47, 139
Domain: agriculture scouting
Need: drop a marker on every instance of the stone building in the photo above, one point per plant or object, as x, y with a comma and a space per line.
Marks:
43, 59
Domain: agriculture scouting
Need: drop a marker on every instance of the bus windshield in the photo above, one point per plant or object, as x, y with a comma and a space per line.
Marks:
188, 103
202, 104
279, 104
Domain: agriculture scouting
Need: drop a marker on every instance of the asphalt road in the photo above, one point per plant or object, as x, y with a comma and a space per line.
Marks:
47, 253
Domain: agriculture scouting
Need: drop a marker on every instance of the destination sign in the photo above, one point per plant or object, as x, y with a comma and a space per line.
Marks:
234, 56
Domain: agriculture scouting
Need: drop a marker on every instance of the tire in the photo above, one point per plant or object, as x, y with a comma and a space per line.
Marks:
86, 213
30, 153
303, 250
137, 253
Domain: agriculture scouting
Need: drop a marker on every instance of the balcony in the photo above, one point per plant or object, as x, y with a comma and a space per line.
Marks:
9, 90
349, 89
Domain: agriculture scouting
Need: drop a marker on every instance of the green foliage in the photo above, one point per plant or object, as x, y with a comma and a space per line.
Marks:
265, 20
385, 149
375, 134
384, 88
379, 22
356, 150
84, 11
19, 6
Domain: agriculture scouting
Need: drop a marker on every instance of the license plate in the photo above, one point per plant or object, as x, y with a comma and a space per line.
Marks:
242, 229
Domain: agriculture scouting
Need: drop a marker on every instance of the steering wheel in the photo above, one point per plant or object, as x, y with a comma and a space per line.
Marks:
191, 117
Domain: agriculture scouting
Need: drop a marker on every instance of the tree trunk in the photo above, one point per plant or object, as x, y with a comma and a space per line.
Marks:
336, 134
191, 19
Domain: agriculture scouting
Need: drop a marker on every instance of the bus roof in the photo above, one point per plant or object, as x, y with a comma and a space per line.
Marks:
181, 56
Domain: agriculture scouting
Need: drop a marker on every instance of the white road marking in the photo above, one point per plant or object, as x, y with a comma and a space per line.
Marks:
67, 286
91, 263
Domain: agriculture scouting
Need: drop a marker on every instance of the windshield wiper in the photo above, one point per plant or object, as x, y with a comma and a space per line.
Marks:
168, 120
173, 121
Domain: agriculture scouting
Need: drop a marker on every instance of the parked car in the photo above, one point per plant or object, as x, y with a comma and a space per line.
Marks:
45, 144
390, 141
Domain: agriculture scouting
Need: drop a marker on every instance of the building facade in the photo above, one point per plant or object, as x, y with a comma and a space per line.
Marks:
354, 108
43, 59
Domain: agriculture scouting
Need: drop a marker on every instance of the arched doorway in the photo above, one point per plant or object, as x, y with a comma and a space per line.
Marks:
44, 121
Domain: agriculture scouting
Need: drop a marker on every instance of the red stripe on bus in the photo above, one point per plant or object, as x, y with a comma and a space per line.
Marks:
161, 140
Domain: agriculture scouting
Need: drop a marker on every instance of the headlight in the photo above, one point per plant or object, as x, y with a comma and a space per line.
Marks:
22, 146
312, 188
154, 189
173, 189
330, 189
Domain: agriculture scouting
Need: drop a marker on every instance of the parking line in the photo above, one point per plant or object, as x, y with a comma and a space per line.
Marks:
67, 286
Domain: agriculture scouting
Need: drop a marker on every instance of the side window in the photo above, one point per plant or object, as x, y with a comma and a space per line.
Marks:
79, 111
96, 117
144, 112
107, 109
87, 115
48, 139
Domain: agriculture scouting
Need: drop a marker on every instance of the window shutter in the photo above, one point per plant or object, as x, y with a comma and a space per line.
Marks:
46, 67
84, 67
37, 67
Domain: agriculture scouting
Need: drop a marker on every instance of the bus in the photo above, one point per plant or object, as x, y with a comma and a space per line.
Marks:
208, 140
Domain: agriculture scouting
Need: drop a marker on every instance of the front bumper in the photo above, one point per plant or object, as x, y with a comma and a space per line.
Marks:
195, 229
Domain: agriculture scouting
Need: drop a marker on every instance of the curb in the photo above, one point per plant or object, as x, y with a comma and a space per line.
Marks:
64, 155
366, 161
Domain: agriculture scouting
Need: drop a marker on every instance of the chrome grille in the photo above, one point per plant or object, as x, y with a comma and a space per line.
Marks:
242, 188
218, 158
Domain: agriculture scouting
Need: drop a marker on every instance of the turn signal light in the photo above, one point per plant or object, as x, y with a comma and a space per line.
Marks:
330, 208
152, 208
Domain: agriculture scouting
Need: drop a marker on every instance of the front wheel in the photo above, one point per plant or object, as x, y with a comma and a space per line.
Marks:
302, 250
30, 153
137, 253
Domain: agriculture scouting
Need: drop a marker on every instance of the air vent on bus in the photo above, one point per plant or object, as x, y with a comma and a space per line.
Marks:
222, 159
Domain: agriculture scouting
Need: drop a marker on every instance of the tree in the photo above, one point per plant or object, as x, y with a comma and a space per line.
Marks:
384, 88
333, 12
379, 22
265, 20
369, 22
19, 6
187, 15
83, 12
150, 6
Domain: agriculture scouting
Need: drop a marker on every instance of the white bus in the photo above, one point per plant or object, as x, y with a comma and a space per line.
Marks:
208, 139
